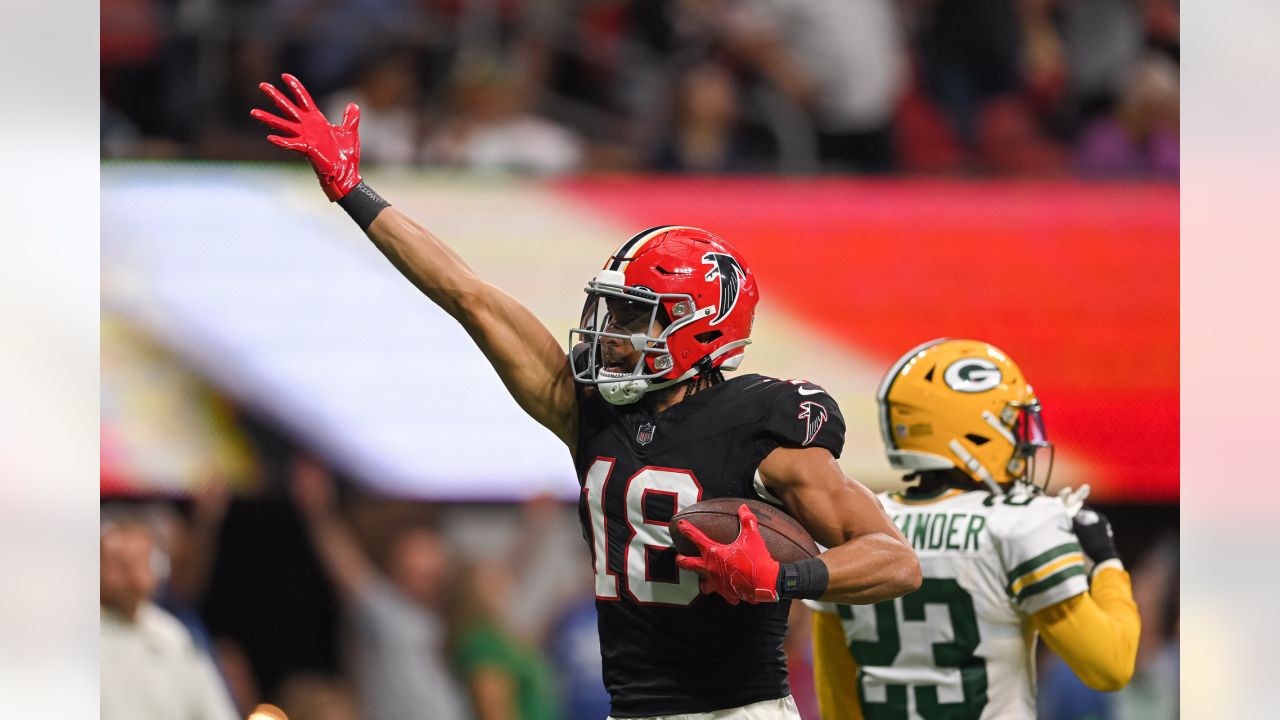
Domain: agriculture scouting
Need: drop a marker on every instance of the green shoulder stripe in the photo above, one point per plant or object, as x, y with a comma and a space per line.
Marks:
1041, 559
1050, 582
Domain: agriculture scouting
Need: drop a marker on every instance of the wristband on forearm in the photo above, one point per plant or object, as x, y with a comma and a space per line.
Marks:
1113, 563
803, 579
363, 205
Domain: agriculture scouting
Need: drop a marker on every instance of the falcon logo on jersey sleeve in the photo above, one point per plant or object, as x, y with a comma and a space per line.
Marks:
814, 416
731, 276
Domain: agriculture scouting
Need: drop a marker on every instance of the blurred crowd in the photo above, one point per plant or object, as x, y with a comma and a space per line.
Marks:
421, 619
1033, 87
422, 611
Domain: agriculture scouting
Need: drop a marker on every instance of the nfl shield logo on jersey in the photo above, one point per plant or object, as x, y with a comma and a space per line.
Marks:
644, 435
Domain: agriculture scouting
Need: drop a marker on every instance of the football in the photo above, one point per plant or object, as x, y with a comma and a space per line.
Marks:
786, 539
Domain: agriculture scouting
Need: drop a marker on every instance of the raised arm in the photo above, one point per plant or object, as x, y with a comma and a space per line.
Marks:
190, 577
528, 359
334, 542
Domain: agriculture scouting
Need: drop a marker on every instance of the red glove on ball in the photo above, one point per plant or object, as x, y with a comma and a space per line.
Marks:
740, 571
334, 150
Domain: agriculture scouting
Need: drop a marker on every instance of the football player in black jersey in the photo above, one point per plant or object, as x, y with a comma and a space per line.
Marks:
653, 426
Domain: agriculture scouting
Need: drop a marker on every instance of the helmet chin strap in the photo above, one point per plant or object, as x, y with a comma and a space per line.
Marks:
976, 467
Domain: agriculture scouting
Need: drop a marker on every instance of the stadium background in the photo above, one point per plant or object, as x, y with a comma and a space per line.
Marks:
890, 183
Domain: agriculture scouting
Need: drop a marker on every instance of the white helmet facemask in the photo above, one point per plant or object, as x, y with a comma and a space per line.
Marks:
598, 324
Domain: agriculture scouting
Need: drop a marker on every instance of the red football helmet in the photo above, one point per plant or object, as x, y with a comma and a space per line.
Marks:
682, 297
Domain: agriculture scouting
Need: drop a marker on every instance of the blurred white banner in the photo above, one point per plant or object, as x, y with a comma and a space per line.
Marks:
274, 296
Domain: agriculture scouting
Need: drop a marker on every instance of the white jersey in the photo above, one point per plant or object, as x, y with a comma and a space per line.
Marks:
961, 647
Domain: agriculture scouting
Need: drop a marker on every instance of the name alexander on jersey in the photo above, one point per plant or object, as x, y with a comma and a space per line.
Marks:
960, 531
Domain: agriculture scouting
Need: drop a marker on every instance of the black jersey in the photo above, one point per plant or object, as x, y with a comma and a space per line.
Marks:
667, 649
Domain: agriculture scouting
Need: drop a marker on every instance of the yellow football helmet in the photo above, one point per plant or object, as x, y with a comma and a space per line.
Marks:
962, 404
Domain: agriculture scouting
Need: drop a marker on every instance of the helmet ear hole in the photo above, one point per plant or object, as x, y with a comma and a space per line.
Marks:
978, 440
708, 336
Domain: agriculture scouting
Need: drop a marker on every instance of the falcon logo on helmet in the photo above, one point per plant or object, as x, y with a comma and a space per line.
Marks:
726, 268
814, 416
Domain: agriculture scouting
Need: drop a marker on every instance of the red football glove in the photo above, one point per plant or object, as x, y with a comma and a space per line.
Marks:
741, 570
334, 150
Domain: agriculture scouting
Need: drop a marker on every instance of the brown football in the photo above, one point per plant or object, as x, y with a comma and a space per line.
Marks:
786, 539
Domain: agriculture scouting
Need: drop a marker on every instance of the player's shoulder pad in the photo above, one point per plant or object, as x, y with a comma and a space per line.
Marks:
798, 413
1024, 513
773, 390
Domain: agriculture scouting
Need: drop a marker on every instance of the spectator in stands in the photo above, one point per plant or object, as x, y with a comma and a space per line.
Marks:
571, 637
328, 39
391, 126
238, 673
1163, 23
972, 52
704, 123
573, 645
223, 130
151, 668
1153, 692
507, 676
132, 42
996, 69
1141, 136
398, 631
1102, 40
190, 544
490, 128
845, 61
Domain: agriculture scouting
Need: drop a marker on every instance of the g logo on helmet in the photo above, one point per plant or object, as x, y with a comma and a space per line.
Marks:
972, 375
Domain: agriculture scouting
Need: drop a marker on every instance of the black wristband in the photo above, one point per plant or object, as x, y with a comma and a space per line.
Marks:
363, 205
803, 579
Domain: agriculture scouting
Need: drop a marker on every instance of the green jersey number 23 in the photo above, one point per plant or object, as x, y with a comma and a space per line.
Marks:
957, 653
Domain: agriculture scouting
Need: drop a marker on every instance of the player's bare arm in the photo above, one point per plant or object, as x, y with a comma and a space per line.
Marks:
525, 355
531, 363
868, 559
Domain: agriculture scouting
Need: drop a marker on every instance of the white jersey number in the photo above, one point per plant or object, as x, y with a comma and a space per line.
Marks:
958, 653
643, 534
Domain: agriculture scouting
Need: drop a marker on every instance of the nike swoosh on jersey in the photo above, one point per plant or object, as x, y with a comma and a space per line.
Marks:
811, 391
